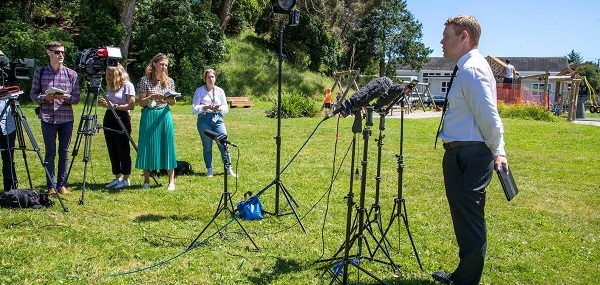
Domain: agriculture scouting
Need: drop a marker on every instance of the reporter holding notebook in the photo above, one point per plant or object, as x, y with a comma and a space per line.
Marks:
56, 112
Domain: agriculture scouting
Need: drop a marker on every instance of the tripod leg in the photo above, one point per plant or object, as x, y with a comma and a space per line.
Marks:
87, 149
22, 147
289, 200
17, 108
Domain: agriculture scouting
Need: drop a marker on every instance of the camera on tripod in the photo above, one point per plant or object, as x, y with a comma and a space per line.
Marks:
93, 61
13, 71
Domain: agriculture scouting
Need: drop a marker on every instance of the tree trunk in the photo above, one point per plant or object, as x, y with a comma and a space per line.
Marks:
224, 15
381, 68
126, 21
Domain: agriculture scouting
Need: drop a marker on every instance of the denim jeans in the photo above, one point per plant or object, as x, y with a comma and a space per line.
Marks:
50, 131
215, 123
9, 175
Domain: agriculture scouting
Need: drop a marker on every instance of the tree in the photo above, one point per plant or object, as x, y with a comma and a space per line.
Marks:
388, 35
591, 72
574, 57
184, 30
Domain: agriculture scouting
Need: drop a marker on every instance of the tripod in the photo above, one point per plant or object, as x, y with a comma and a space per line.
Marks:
225, 203
359, 221
21, 123
88, 127
278, 183
399, 210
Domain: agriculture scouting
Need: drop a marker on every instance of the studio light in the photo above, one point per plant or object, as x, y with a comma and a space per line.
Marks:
283, 6
287, 7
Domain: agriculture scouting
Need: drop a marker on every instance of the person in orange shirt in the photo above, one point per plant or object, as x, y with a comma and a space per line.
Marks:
327, 103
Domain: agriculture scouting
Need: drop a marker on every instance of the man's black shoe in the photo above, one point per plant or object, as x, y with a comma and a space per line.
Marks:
442, 277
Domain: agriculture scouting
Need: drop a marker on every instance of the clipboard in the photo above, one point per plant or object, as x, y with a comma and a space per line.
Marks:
508, 183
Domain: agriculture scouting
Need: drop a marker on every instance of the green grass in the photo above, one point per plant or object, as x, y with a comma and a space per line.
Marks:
548, 235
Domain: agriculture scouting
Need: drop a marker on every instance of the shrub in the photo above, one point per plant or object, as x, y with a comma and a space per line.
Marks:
527, 112
294, 105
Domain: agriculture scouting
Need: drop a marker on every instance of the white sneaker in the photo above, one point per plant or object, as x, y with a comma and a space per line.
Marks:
209, 172
145, 186
113, 183
123, 183
171, 187
231, 173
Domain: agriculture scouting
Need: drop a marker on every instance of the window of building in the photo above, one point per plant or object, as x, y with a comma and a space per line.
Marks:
445, 85
538, 88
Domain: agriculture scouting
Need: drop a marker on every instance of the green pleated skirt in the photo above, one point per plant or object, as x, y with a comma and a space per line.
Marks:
156, 140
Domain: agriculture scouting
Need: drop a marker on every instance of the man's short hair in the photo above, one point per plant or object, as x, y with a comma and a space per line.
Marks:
468, 23
53, 44
507, 60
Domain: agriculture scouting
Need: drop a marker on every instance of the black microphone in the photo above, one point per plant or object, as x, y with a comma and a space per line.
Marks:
377, 87
220, 138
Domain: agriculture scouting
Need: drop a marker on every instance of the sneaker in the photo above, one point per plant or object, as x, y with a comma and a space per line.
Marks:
171, 187
230, 172
64, 190
113, 183
145, 186
122, 183
209, 172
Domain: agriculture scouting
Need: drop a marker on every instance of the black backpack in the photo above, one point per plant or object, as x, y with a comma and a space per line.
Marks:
16, 198
182, 168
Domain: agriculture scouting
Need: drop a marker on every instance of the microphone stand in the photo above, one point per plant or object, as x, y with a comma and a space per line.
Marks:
375, 211
359, 226
399, 210
225, 203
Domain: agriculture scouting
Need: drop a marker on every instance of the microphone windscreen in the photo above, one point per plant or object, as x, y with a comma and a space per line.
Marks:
393, 92
372, 90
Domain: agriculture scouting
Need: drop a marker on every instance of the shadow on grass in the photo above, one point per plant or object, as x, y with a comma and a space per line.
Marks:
281, 267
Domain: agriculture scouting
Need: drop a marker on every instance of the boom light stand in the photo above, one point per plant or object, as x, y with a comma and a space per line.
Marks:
283, 7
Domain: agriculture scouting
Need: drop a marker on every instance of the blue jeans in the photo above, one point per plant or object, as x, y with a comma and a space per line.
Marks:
9, 175
50, 131
213, 122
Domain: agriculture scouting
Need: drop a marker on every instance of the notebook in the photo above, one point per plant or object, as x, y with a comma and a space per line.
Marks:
508, 183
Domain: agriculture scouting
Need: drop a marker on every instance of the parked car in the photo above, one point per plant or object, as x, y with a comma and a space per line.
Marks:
439, 100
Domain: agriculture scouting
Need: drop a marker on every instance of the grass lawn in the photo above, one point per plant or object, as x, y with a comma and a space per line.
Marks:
549, 234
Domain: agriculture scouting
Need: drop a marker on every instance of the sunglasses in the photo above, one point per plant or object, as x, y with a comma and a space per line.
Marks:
57, 52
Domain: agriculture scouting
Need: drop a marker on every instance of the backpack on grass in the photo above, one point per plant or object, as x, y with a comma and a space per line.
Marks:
17, 198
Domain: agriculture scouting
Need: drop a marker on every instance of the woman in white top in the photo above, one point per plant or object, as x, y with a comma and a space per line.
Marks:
210, 104
120, 94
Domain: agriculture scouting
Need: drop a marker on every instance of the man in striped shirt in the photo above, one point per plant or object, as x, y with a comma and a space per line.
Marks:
56, 112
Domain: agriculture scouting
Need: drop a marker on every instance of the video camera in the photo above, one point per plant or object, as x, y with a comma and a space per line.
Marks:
11, 71
95, 60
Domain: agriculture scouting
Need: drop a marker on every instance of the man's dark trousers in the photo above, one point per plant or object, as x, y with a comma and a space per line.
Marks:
467, 172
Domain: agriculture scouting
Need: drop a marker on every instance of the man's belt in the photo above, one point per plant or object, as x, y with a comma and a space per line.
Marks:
451, 145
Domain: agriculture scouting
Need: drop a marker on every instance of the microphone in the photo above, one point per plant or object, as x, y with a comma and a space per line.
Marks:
377, 87
393, 93
220, 138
